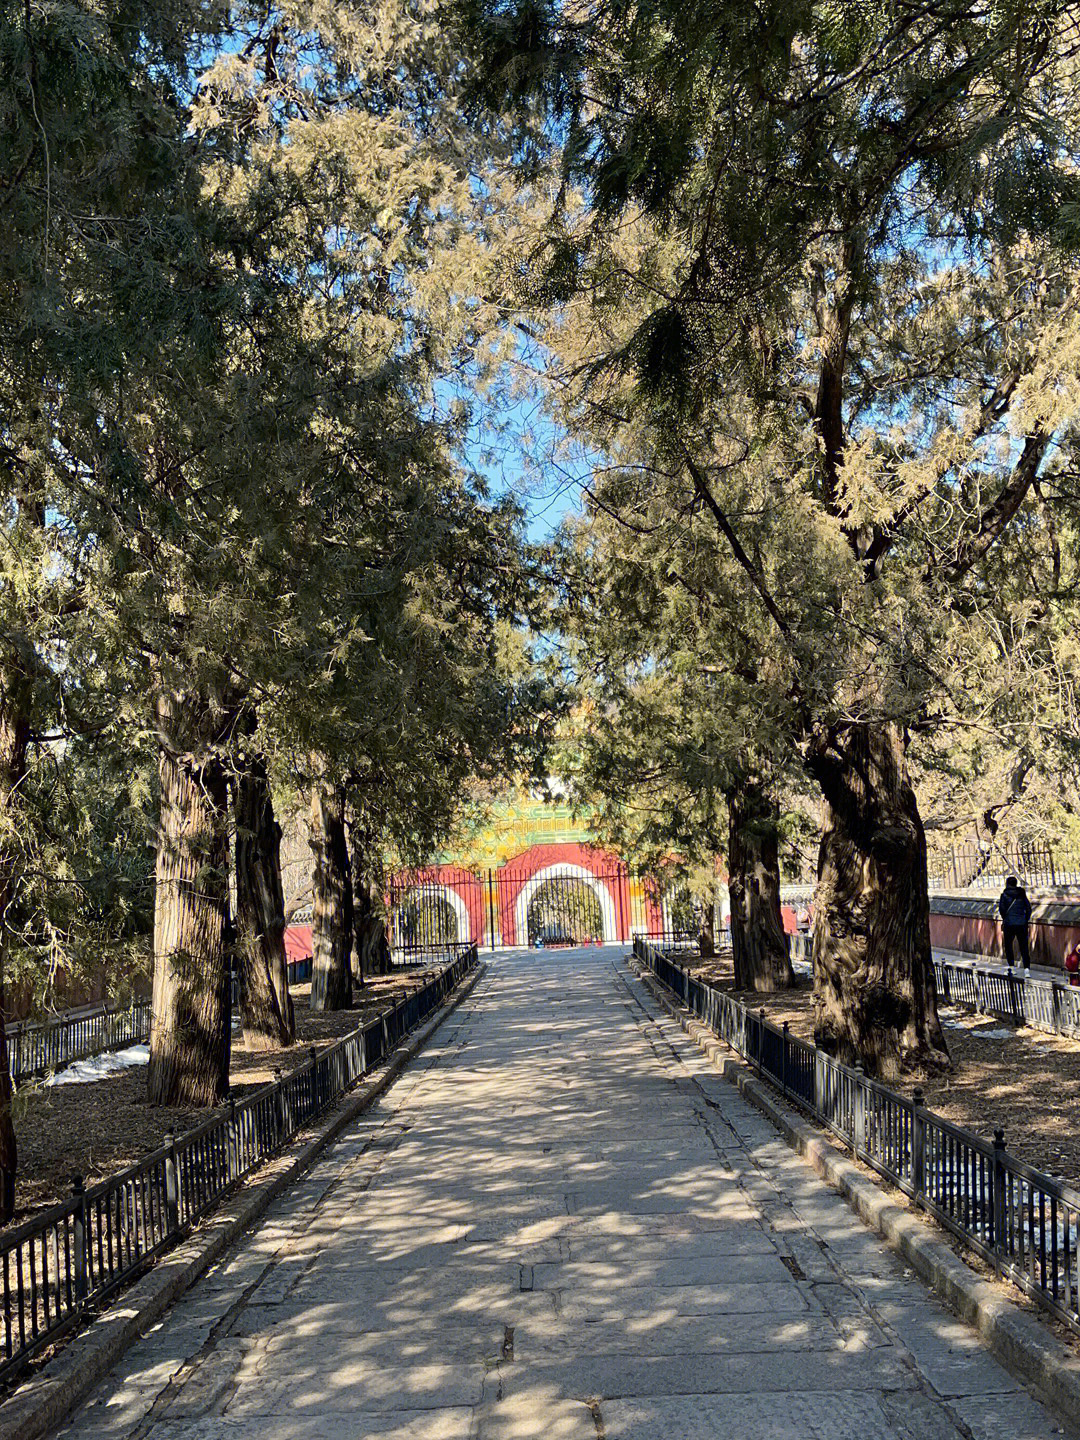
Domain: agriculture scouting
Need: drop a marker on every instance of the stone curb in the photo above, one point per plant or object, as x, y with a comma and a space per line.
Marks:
41, 1403
1015, 1337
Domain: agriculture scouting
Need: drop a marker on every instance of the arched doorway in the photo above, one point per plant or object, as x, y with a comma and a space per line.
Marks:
430, 917
565, 905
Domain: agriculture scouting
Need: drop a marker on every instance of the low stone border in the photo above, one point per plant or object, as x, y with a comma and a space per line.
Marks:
40, 1404
1018, 1339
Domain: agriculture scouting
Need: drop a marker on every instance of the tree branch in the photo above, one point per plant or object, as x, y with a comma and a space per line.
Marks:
996, 517
701, 486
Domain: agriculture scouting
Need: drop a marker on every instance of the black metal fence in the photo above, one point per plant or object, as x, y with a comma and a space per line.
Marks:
56, 1265
430, 954
297, 971
971, 867
1051, 1005
38, 1048
1021, 1220
686, 940
561, 903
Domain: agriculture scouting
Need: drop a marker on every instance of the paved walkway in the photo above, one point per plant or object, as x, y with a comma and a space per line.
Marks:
560, 1223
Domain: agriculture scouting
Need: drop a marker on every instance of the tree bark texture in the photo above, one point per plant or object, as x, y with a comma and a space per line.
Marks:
875, 1000
189, 1052
759, 946
371, 951
14, 741
331, 884
266, 1007
707, 927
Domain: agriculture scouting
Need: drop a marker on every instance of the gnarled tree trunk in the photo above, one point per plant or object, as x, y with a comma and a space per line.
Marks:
266, 1006
189, 1040
332, 927
371, 951
706, 917
14, 740
758, 943
875, 1001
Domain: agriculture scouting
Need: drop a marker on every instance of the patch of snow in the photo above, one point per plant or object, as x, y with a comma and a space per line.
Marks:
997, 1032
99, 1067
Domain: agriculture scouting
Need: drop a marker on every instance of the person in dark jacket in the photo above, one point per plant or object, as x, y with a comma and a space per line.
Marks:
1015, 908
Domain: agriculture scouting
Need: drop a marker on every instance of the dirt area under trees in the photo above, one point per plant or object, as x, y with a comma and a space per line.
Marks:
97, 1128
1020, 1080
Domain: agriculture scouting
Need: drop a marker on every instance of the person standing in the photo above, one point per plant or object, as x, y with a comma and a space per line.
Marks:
1015, 908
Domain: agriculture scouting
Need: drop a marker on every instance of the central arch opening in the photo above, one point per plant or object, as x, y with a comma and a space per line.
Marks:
564, 910
426, 920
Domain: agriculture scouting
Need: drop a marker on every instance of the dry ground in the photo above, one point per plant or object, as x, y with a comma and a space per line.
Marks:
98, 1128
1026, 1083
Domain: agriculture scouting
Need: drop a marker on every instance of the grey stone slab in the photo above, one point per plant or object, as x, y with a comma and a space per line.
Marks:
947, 1352
427, 1342
765, 1373
405, 1424
114, 1412
536, 1414
837, 1415
544, 1336
728, 1299
612, 1277
739, 1238
1007, 1417
361, 1384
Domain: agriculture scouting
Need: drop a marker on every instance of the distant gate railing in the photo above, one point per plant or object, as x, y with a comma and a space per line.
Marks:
39, 1047
1051, 1005
552, 901
57, 1264
1020, 1219
970, 867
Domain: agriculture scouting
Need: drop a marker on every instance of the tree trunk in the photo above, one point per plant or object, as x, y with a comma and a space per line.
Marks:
875, 1001
331, 932
759, 946
14, 740
189, 1043
371, 952
706, 912
266, 1007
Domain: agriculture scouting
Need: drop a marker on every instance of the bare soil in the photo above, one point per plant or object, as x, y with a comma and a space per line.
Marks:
98, 1128
1025, 1082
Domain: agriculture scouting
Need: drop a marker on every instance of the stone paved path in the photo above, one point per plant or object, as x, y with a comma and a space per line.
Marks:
560, 1223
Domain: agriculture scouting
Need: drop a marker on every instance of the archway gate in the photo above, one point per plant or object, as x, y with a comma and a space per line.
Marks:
557, 894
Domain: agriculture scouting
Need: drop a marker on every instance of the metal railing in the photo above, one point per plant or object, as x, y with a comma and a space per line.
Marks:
413, 957
1051, 1005
969, 867
686, 941
40, 1047
53, 1267
1020, 1219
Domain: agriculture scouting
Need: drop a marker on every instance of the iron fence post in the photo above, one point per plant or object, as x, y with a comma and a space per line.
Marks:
761, 1041
78, 1188
783, 1058
859, 1137
234, 1141
918, 1143
172, 1184
279, 1108
1000, 1237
